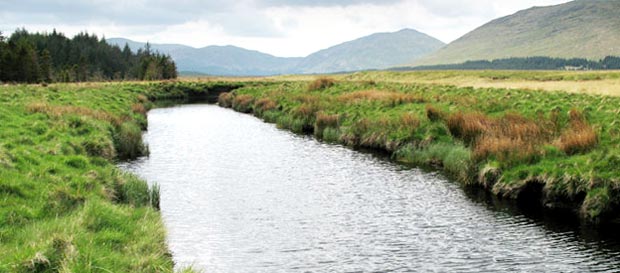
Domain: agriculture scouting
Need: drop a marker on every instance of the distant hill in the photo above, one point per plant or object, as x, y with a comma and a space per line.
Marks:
219, 60
377, 51
579, 29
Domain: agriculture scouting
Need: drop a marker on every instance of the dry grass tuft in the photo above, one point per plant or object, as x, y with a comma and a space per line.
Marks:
321, 83
433, 114
305, 110
510, 138
468, 126
264, 105
243, 103
387, 97
57, 111
514, 138
138, 108
324, 121
225, 99
579, 137
142, 98
409, 121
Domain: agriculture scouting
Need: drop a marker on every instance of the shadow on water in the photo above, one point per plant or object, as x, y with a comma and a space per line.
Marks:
560, 221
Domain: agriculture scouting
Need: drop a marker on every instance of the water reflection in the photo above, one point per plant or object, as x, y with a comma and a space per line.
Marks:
239, 195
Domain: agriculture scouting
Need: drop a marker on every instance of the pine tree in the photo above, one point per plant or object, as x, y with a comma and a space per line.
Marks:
46, 66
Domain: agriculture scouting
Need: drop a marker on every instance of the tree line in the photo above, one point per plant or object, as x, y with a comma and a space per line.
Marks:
52, 57
528, 63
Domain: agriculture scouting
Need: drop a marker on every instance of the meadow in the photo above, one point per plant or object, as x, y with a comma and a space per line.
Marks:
66, 207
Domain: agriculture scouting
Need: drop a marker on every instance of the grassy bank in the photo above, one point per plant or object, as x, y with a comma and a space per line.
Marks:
64, 206
555, 149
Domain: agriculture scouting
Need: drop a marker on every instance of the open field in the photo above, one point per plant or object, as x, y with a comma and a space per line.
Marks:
583, 82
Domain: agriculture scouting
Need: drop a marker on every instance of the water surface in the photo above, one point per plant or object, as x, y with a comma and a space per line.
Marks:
239, 195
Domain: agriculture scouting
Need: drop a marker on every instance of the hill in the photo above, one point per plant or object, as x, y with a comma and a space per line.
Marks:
578, 29
376, 51
219, 60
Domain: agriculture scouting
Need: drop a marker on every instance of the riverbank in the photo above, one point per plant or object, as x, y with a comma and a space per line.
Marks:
554, 150
64, 205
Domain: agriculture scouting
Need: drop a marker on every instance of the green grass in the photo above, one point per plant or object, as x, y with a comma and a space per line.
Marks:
64, 205
500, 139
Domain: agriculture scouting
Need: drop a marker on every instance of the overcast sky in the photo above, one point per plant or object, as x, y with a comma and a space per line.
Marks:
278, 27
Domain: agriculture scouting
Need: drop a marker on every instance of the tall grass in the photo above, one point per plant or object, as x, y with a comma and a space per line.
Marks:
128, 141
225, 99
390, 98
324, 121
264, 105
321, 83
579, 137
243, 103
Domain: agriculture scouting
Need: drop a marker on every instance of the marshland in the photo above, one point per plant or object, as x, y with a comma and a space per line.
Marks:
510, 160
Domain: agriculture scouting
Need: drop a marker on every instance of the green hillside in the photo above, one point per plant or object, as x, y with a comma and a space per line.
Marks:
579, 29
376, 51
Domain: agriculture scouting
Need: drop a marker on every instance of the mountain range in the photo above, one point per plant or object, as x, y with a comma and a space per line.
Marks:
588, 29
579, 29
376, 51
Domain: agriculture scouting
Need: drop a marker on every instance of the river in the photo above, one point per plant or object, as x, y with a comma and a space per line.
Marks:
240, 195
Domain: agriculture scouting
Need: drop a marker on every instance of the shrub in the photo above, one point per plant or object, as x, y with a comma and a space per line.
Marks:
321, 83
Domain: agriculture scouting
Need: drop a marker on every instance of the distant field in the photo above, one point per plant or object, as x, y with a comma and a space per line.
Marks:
585, 82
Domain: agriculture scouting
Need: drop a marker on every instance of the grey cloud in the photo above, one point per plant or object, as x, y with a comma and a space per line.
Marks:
323, 3
154, 12
235, 17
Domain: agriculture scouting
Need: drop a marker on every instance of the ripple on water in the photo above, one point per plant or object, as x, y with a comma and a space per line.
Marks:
239, 195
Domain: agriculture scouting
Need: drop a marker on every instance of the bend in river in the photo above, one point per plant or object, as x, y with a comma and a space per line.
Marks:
239, 195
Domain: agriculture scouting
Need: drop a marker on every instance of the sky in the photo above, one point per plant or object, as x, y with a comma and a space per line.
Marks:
286, 28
